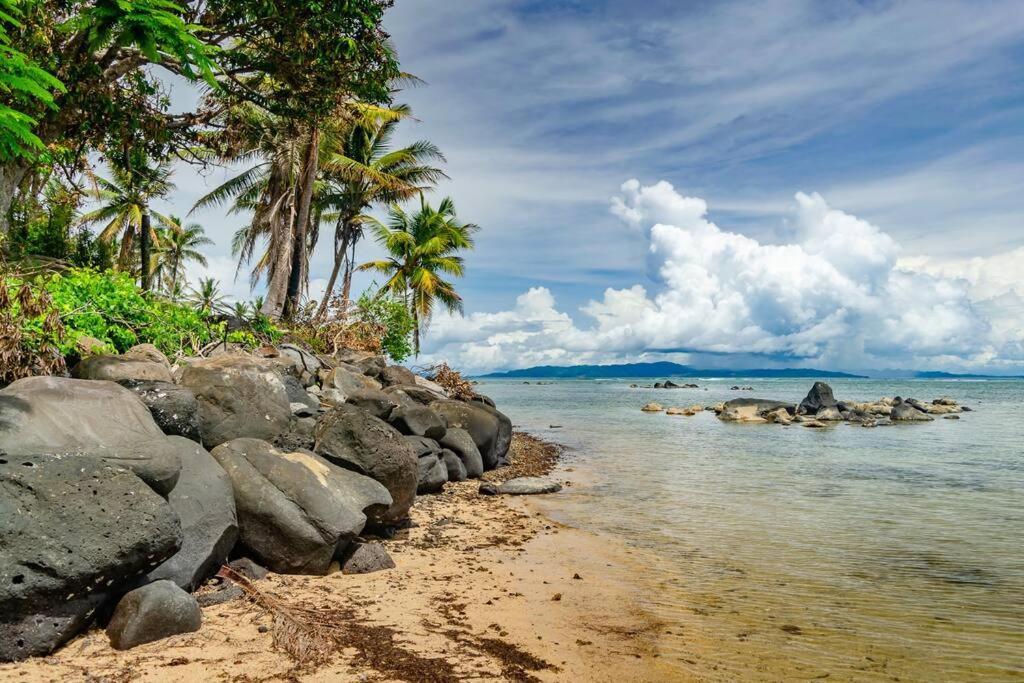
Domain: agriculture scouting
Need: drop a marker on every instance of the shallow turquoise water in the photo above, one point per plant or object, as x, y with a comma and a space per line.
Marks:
785, 553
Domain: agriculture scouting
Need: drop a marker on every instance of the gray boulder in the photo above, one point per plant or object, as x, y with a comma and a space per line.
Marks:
204, 502
528, 486
347, 381
174, 408
116, 368
56, 415
829, 414
432, 474
297, 394
354, 439
369, 364
305, 366
365, 558
452, 462
490, 430
902, 411
396, 375
153, 612
239, 396
72, 531
407, 394
418, 421
751, 409
421, 446
820, 396
458, 440
296, 511
373, 401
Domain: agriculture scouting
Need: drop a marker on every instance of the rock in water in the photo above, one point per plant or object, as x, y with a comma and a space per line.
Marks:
296, 510
72, 531
174, 408
528, 486
490, 429
652, 407
820, 396
902, 411
55, 415
153, 612
461, 443
418, 421
432, 474
238, 397
365, 558
829, 414
205, 503
751, 409
354, 439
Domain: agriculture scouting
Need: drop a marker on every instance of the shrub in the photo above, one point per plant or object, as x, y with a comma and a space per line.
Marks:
377, 324
30, 332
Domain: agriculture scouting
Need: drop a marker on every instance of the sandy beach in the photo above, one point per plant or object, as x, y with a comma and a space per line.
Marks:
485, 588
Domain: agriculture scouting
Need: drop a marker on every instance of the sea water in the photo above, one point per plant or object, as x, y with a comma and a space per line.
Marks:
787, 553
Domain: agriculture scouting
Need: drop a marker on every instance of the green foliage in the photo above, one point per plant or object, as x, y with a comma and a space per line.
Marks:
110, 307
392, 317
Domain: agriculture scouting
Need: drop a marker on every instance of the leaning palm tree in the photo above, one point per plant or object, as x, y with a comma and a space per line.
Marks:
421, 247
207, 297
178, 245
124, 202
359, 170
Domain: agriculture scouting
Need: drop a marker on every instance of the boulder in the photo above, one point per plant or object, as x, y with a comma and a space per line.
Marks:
174, 408
354, 439
305, 366
421, 446
204, 501
418, 421
248, 568
432, 474
296, 511
373, 401
115, 368
461, 443
528, 486
396, 375
652, 407
72, 531
56, 415
452, 463
369, 364
779, 416
153, 612
820, 396
299, 435
490, 429
829, 414
487, 489
239, 396
430, 385
751, 409
902, 411
365, 558
347, 381
944, 401
297, 394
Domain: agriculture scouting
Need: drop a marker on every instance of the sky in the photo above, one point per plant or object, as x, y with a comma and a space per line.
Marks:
752, 184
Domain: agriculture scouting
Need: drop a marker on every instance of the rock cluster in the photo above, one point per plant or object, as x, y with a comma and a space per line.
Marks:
125, 488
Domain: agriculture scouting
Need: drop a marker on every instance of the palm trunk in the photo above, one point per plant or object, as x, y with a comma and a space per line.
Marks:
298, 276
174, 275
346, 290
339, 258
416, 330
11, 175
144, 252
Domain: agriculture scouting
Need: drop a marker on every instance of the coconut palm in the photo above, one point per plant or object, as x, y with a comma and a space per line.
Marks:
359, 170
177, 245
422, 247
124, 202
207, 297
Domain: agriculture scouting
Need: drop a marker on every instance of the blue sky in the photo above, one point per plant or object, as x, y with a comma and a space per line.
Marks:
906, 119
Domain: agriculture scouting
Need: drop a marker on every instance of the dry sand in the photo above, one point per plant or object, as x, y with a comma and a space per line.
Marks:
485, 588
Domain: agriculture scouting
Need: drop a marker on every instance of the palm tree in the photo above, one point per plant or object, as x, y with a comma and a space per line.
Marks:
421, 248
178, 245
360, 169
125, 202
207, 297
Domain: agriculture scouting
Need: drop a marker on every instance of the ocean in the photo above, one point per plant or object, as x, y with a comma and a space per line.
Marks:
787, 553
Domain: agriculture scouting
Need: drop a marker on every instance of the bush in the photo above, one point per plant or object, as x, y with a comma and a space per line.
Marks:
30, 332
377, 324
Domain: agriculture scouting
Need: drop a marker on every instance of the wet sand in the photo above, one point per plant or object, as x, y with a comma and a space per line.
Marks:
485, 588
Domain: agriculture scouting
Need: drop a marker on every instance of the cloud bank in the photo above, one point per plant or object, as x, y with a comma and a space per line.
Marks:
839, 294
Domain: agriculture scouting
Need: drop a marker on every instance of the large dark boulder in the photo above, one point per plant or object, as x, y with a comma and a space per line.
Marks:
373, 401
904, 411
407, 394
820, 396
452, 462
297, 394
73, 531
432, 474
490, 430
205, 503
174, 408
304, 366
396, 375
356, 440
137, 363
56, 415
418, 421
153, 612
370, 364
458, 440
347, 381
421, 446
364, 558
239, 396
296, 511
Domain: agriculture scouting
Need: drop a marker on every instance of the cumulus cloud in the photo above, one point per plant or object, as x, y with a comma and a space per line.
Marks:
838, 295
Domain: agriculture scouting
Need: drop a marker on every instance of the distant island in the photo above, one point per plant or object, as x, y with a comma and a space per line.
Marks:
658, 369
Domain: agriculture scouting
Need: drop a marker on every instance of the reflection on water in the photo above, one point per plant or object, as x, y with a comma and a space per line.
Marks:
784, 553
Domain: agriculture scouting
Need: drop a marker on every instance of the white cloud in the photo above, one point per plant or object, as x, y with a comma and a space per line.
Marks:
838, 295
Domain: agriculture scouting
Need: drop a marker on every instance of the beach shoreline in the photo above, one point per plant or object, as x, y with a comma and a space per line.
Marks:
487, 588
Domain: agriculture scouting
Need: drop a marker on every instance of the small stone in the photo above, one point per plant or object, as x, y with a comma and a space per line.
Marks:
366, 558
153, 612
